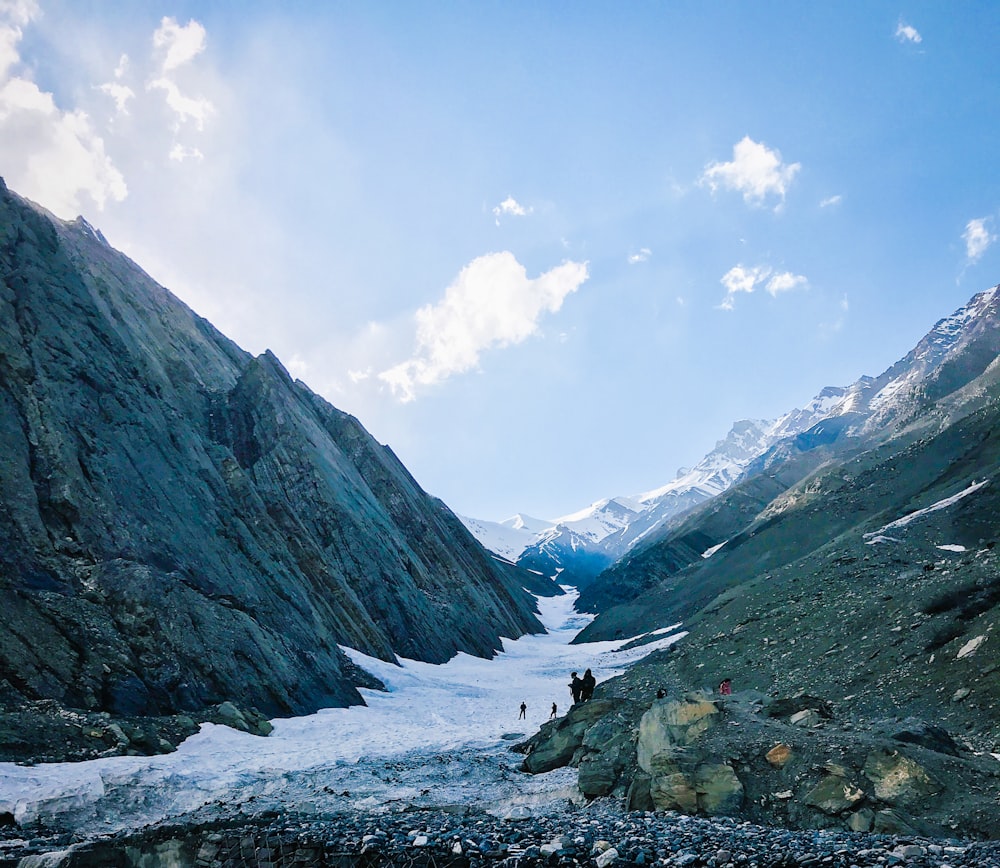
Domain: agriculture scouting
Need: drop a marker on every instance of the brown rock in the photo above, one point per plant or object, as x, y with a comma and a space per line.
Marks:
779, 755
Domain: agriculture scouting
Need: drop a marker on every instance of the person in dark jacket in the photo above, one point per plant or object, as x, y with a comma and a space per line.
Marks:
553, 712
589, 683
524, 708
576, 688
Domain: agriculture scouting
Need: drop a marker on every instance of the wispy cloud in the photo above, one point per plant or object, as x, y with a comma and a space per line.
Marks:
640, 256
906, 33
56, 157
492, 303
831, 201
510, 207
978, 237
741, 279
756, 171
178, 47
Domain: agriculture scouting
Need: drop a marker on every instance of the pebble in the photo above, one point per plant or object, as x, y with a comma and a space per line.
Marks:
596, 836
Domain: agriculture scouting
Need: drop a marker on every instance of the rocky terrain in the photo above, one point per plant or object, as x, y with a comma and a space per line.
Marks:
847, 584
183, 525
454, 837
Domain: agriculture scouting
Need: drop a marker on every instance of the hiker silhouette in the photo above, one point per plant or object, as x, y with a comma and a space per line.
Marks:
524, 708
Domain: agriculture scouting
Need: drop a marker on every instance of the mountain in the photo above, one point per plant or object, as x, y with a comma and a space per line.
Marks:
915, 423
182, 523
847, 584
578, 547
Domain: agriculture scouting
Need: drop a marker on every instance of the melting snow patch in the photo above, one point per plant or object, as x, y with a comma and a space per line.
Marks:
951, 547
709, 552
934, 507
879, 538
970, 647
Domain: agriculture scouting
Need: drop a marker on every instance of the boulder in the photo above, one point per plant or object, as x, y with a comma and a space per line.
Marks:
719, 790
927, 735
674, 792
789, 705
899, 780
670, 724
557, 742
807, 717
861, 821
833, 795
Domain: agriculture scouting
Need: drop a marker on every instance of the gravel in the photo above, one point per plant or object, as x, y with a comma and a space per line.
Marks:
596, 835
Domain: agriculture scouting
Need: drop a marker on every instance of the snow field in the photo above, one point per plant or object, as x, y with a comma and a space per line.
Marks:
435, 736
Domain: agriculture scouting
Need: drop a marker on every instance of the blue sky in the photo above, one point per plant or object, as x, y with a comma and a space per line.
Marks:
547, 252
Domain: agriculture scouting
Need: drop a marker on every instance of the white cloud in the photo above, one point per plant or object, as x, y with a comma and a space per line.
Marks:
906, 33
756, 171
182, 44
52, 156
510, 207
492, 303
196, 108
739, 279
179, 46
179, 153
978, 238
120, 93
832, 200
784, 282
643, 254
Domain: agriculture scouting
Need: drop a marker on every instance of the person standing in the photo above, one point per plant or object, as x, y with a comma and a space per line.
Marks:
576, 688
589, 683
552, 713
524, 708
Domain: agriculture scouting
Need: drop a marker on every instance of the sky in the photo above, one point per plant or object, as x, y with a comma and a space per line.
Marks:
434, 737
548, 252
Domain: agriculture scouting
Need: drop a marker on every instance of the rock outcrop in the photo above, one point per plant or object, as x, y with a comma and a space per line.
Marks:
182, 524
729, 756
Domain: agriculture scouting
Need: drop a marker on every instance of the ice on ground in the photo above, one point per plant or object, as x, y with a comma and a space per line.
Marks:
439, 734
875, 535
951, 547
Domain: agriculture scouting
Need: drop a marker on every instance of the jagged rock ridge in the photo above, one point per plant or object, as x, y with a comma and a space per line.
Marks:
181, 523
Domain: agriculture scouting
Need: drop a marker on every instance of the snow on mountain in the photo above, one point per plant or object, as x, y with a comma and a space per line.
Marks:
510, 537
605, 530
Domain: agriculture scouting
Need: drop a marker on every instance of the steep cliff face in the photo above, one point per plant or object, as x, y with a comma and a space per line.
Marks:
181, 523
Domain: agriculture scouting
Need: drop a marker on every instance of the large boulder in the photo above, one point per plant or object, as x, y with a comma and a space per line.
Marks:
557, 742
899, 780
670, 724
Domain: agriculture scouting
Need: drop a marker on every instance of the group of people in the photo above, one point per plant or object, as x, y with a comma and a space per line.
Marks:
582, 688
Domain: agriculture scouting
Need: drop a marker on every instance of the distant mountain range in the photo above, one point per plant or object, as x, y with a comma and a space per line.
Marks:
579, 546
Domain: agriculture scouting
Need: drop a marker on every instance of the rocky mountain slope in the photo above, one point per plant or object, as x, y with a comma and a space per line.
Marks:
580, 546
847, 584
182, 523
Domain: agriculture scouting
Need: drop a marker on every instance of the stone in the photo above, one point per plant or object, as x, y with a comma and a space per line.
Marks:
606, 858
834, 795
807, 717
779, 755
861, 821
674, 792
719, 790
889, 822
899, 780
960, 694
914, 731
672, 723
